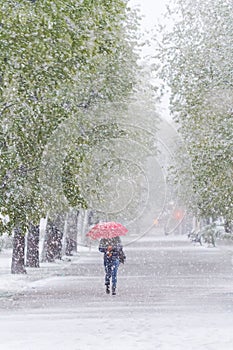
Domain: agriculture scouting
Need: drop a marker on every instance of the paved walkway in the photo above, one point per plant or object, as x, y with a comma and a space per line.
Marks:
166, 273
171, 295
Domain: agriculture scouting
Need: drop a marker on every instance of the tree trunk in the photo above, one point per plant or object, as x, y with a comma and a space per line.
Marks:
33, 246
53, 239
71, 238
17, 263
228, 226
58, 235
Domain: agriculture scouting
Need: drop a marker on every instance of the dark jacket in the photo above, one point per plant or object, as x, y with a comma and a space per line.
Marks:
112, 249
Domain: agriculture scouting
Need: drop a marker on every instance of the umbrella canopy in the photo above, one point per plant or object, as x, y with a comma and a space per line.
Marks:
109, 229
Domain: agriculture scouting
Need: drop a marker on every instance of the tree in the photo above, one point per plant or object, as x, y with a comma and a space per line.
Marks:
52, 248
55, 64
33, 239
196, 64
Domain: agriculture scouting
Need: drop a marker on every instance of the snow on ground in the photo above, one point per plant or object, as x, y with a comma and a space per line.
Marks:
172, 295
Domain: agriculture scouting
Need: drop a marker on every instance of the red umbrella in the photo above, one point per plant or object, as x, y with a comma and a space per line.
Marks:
107, 230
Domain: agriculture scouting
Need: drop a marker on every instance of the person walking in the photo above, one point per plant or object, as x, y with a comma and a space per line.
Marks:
113, 256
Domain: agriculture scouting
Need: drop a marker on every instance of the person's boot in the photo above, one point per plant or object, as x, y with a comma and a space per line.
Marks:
113, 290
107, 289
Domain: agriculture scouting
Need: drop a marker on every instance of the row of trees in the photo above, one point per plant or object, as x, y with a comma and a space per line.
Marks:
67, 71
195, 58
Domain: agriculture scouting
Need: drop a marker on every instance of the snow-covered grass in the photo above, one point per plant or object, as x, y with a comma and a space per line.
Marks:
172, 295
67, 330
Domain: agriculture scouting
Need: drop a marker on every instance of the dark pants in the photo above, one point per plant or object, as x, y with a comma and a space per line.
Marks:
111, 268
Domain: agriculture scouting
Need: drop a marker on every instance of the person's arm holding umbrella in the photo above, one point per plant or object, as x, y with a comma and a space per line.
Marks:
106, 248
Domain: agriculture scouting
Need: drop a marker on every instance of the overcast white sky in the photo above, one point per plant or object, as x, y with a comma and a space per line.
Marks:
151, 10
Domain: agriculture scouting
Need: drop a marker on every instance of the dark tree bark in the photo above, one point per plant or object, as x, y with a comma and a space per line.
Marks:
71, 238
33, 246
46, 248
58, 234
53, 239
228, 227
17, 263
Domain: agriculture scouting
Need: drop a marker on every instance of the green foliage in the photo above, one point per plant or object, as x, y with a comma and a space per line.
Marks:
196, 63
78, 161
57, 60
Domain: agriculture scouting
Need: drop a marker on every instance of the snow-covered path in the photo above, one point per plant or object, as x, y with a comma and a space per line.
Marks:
171, 295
